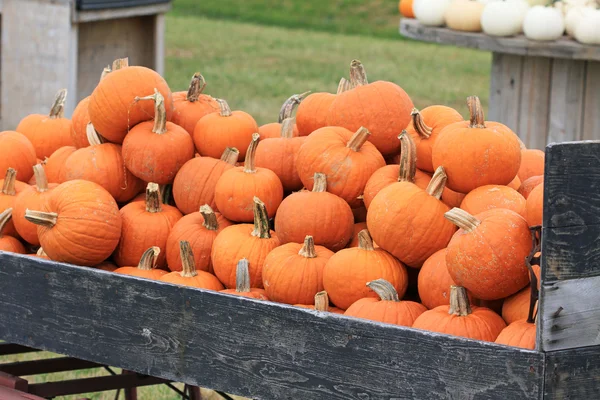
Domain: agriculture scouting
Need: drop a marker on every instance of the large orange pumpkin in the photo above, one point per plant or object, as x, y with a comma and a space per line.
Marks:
146, 268
191, 105
520, 333
535, 206
313, 111
50, 132
17, 152
9, 243
242, 283
55, 164
477, 152
321, 303
532, 163
9, 189
79, 223
190, 275
381, 107
529, 184
406, 8
493, 196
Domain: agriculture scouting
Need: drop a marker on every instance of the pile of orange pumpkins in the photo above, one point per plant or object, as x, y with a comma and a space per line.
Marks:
353, 203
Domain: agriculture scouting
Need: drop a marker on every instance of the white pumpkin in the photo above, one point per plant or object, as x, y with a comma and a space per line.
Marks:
543, 23
573, 17
566, 5
464, 15
430, 12
504, 18
587, 30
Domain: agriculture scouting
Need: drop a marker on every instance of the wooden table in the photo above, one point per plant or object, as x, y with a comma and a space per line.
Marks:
545, 91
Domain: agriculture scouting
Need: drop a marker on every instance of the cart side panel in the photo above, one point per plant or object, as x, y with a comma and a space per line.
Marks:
573, 374
247, 347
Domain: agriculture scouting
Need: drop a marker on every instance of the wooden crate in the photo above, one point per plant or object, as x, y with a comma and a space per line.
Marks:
266, 350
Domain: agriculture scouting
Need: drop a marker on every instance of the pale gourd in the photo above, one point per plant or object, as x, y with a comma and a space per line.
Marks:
567, 5
464, 15
587, 30
543, 23
430, 12
504, 18
573, 17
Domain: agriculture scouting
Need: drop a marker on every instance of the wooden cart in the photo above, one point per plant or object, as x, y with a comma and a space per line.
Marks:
266, 350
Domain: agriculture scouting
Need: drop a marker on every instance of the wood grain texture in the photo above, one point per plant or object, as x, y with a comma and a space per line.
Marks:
505, 89
591, 119
247, 347
566, 102
519, 45
535, 102
118, 13
573, 374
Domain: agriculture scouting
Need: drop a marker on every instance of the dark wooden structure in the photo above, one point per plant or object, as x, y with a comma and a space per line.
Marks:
265, 350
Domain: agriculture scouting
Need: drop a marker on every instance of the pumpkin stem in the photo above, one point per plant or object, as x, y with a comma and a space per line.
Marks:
365, 241
359, 138
419, 124
210, 218
462, 219
344, 86
93, 137
58, 107
322, 301
287, 128
197, 85
319, 182
5, 216
41, 181
249, 166
476, 111
105, 71
153, 203
459, 301
41, 253
120, 63
384, 290
149, 258
242, 276
8, 188
47, 219
261, 220
358, 75
224, 107
308, 250
287, 109
230, 155
187, 260
160, 112
437, 183
408, 158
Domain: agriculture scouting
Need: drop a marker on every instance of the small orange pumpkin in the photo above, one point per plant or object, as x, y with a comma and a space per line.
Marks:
81, 118
529, 184
17, 152
532, 163
313, 111
191, 106
242, 283
55, 164
189, 275
275, 129
434, 281
10, 188
535, 206
321, 303
146, 268
406, 8
516, 307
493, 196
9, 243
520, 333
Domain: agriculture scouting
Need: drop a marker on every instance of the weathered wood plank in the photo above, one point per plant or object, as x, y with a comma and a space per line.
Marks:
535, 102
591, 112
566, 102
505, 93
573, 374
118, 13
247, 347
519, 45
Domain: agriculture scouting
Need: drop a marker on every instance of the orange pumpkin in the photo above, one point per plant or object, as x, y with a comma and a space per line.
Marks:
146, 268
477, 152
487, 254
80, 120
520, 333
348, 270
50, 132
242, 283
10, 189
460, 319
381, 107
406, 8
199, 229
9, 243
293, 273
114, 108
532, 163
79, 223
189, 275
237, 187
217, 131
348, 161
313, 111
321, 303
106, 266
145, 224
55, 164
493, 196
249, 241
325, 217
434, 281
273, 130
387, 308
535, 206
516, 307
17, 152
515, 184
191, 105
529, 184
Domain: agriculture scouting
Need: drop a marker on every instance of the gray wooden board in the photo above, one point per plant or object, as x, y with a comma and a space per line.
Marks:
505, 89
535, 102
591, 122
566, 101
247, 347
573, 374
117, 13
519, 45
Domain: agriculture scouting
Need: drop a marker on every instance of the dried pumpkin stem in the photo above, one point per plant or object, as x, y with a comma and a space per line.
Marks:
8, 188
359, 138
41, 253
477, 119
462, 219
344, 86
41, 181
105, 71
261, 220
58, 107
153, 202
322, 301
149, 258
196, 88
187, 260
225, 111
308, 249
242, 276
358, 75
287, 128
288, 107
230, 155
5, 216
384, 290
365, 241
249, 166
437, 183
120, 63
210, 218
47, 219
319, 182
419, 124
93, 137
408, 158
160, 112
459, 301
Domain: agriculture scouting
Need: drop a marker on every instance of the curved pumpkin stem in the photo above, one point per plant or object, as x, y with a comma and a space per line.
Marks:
41, 181
160, 112
197, 85
344, 86
187, 260
437, 183
319, 182
153, 202
358, 75
149, 258
262, 228
359, 138
249, 166
287, 128
477, 119
210, 218
47, 219
225, 111
5, 216
242, 276
384, 290
287, 109
92, 136
308, 249
462, 219
322, 301
408, 158
58, 107
120, 63
459, 301
419, 124
8, 187
230, 155
365, 242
